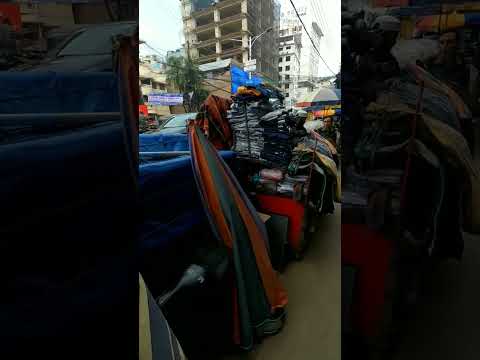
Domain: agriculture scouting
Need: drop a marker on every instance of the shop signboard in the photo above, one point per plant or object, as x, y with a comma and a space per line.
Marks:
165, 99
251, 65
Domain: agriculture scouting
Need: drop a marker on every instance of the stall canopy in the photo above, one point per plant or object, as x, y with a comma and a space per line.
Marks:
321, 97
446, 22
259, 297
327, 112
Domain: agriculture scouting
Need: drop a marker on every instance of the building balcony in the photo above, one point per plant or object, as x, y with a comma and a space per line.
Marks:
205, 43
202, 12
225, 3
203, 28
306, 83
233, 52
232, 18
233, 35
204, 58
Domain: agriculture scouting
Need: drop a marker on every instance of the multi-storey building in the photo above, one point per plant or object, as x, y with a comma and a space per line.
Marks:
152, 79
298, 59
220, 30
289, 63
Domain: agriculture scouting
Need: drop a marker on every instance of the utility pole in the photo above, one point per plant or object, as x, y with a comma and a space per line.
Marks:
189, 60
251, 41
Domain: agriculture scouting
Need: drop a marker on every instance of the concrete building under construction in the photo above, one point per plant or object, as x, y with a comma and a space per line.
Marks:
220, 30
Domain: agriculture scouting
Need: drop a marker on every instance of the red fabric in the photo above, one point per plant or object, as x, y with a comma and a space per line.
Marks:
212, 119
370, 253
10, 14
290, 208
142, 109
127, 69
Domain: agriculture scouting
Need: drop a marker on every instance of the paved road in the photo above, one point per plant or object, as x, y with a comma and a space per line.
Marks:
312, 330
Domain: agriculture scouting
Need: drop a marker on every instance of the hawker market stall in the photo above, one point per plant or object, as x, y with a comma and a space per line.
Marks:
288, 171
410, 186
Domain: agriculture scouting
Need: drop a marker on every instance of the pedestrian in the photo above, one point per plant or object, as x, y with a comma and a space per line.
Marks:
329, 130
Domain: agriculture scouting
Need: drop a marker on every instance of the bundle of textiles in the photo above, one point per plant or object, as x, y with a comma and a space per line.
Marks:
278, 137
312, 161
263, 130
244, 118
276, 181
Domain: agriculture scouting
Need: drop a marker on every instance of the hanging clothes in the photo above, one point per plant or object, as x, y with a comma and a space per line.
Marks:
259, 296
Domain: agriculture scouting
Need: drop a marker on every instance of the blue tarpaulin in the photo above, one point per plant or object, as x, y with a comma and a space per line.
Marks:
49, 92
170, 182
240, 78
68, 218
163, 142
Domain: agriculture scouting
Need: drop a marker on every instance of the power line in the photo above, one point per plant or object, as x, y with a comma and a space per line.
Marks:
321, 13
318, 16
216, 87
311, 40
155, 50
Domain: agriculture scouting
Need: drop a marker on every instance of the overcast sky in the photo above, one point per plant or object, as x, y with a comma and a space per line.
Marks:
161, 27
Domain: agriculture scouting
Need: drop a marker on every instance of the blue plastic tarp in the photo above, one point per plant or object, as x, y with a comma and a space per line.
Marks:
240, 78
170, 182
49, 92
163, 142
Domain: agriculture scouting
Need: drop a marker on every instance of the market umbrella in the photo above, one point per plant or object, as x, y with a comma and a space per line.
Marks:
321, 97
327, 112
444, 22
259, 297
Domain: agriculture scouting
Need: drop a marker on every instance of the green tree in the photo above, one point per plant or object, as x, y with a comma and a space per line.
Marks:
187, 78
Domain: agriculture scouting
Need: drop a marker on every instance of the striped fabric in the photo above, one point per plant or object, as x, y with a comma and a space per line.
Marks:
441, 23
156, 340
259, 297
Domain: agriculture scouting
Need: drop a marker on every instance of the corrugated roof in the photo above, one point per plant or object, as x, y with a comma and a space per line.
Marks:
216, 65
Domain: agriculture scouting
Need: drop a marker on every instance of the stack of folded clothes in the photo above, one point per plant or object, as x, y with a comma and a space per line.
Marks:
262, 129
244, 118
278, 138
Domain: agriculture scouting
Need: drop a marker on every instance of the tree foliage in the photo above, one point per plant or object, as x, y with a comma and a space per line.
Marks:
187, 78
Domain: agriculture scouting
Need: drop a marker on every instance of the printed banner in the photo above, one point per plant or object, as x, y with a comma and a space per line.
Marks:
165, 99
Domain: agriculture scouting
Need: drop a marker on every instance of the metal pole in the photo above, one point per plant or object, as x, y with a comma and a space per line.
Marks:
250, 45
250, 55
249, 48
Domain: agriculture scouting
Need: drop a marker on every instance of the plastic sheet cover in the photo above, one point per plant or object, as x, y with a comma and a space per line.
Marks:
240, 78
48, 92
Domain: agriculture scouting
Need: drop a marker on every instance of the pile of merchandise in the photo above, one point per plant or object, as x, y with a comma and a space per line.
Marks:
407, 138
244, 120
379, 124
262, 129
283, 159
